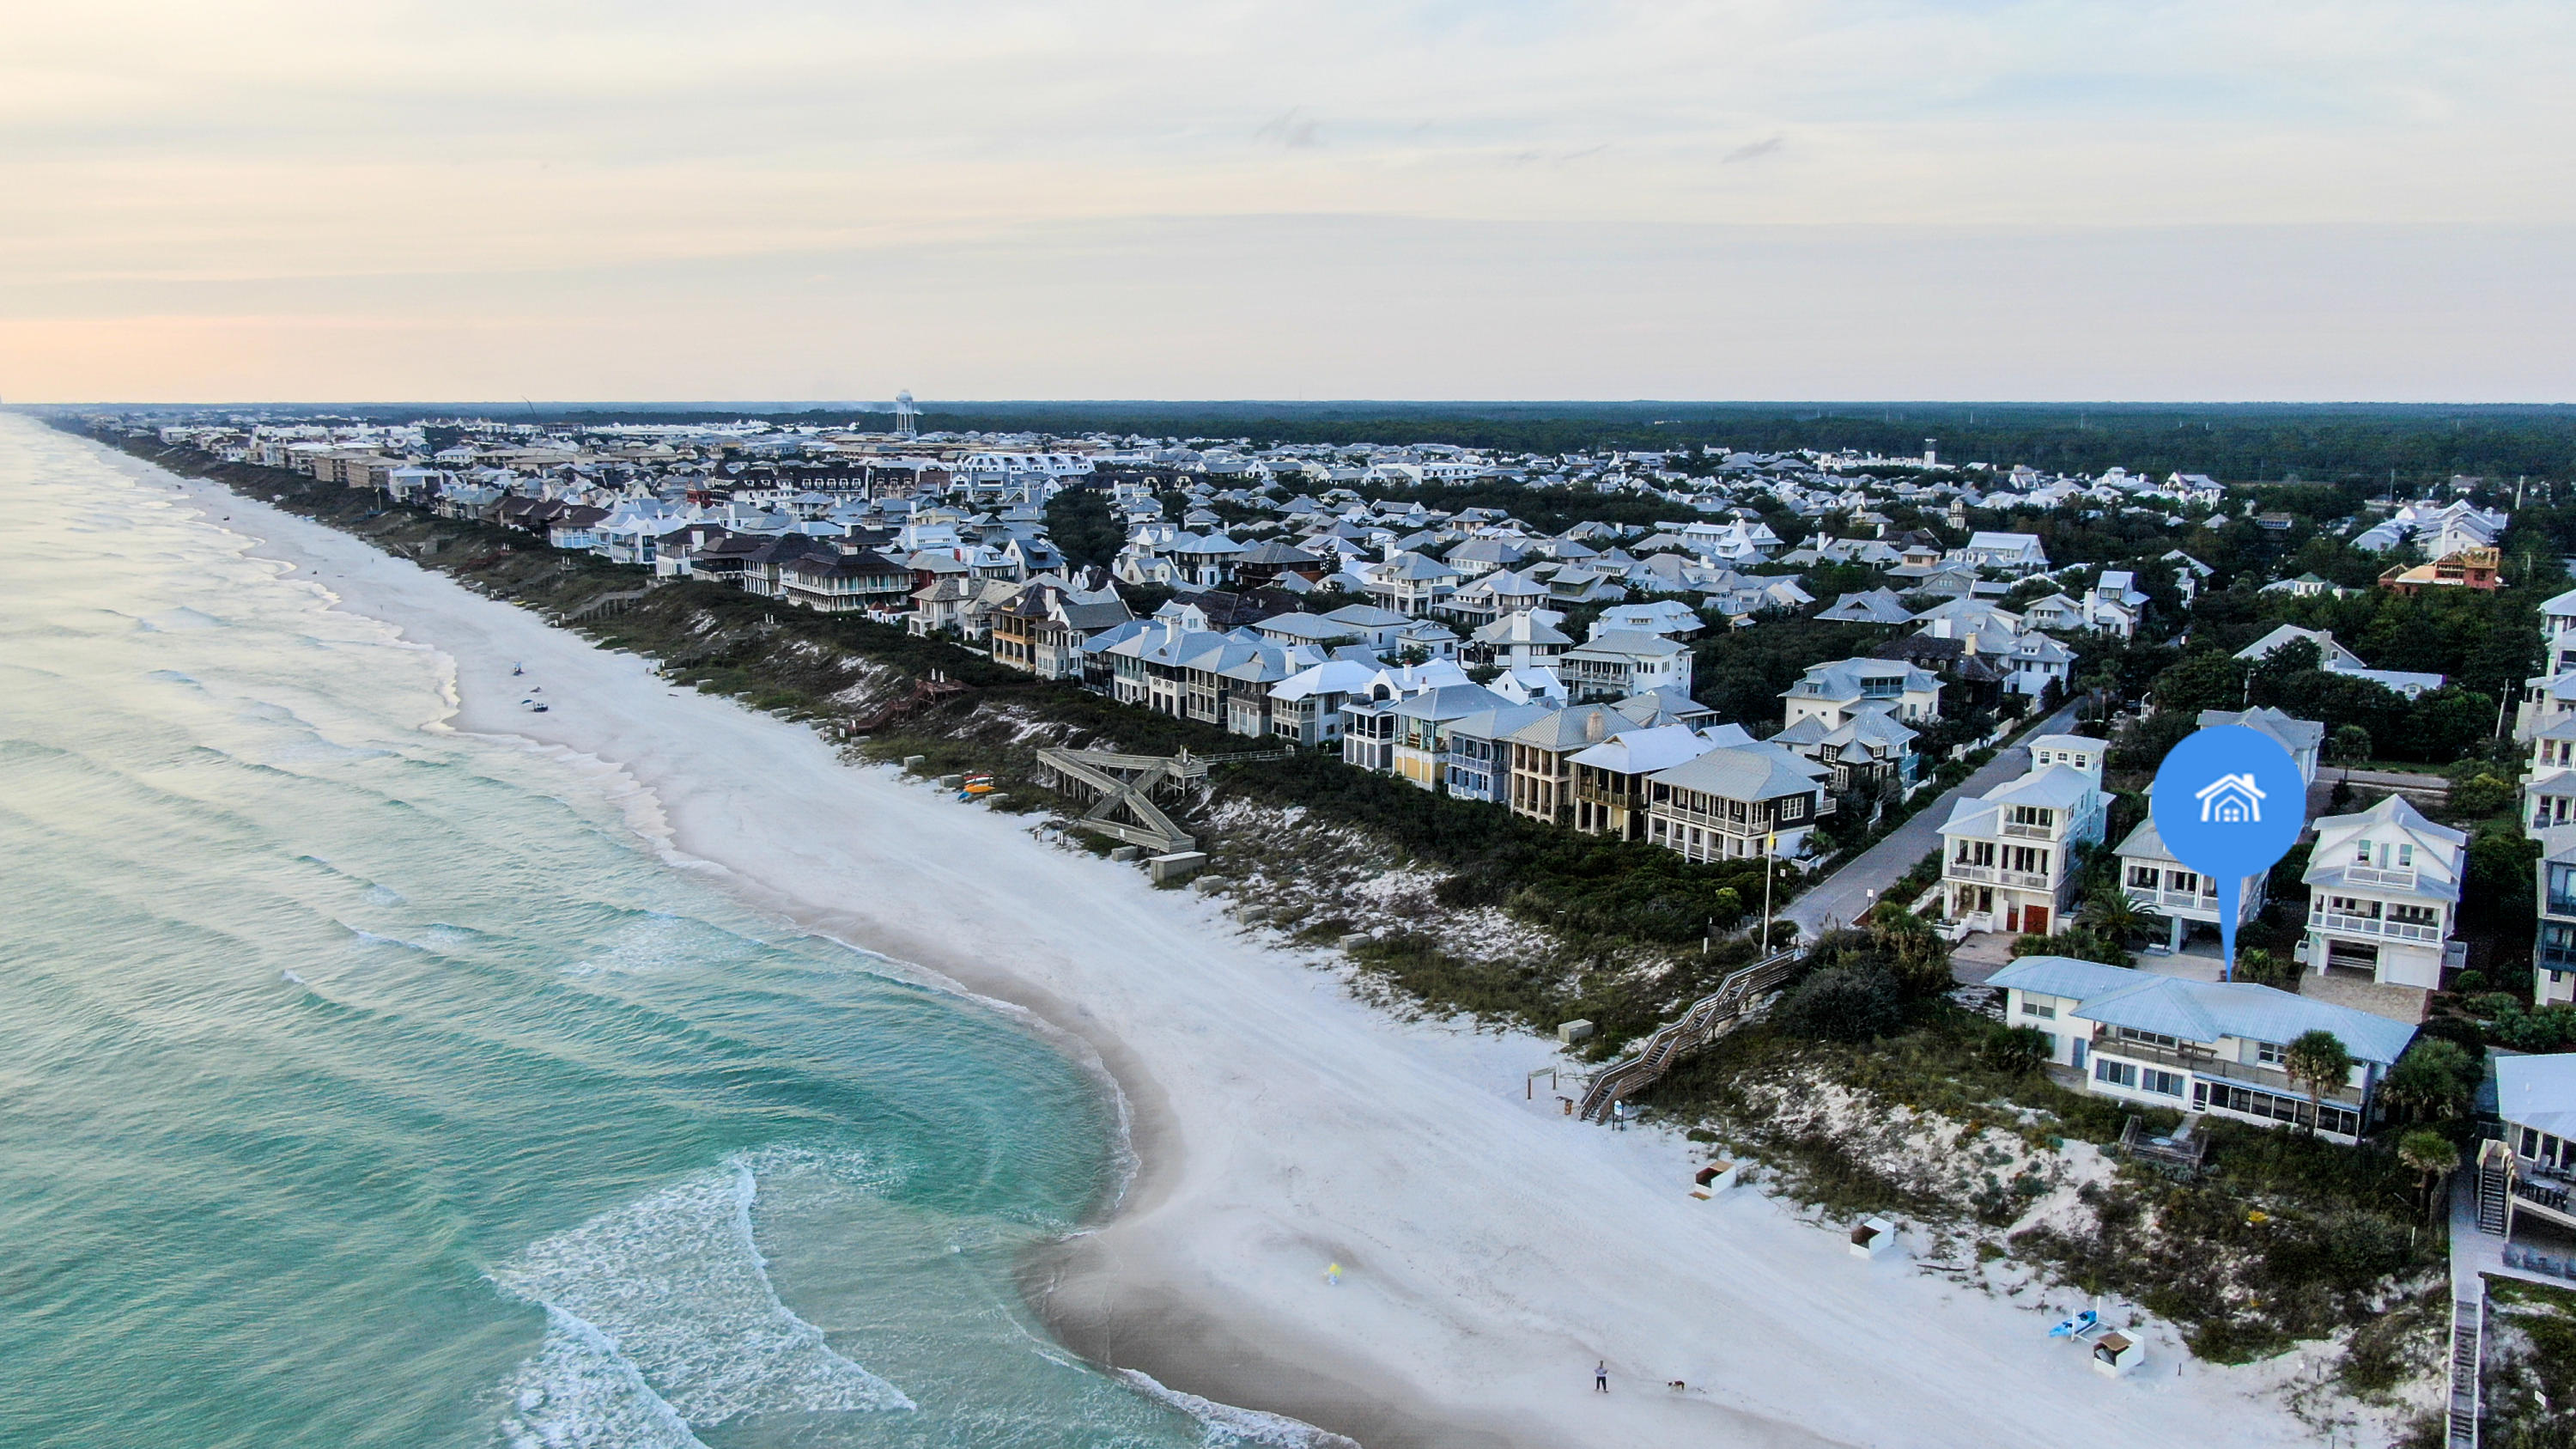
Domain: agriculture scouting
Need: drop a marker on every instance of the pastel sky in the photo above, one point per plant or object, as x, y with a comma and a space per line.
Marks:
668, 199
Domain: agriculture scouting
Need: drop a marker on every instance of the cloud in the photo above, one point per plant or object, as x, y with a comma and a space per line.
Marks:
1292, 130
1769, 146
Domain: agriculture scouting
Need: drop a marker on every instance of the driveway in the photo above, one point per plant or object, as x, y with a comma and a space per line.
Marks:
1849, 891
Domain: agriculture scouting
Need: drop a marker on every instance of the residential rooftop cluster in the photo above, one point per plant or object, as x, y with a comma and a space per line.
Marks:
1464, 621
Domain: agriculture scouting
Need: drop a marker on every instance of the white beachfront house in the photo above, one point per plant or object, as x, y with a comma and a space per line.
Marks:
2008, 857
2198, 1046
1624, 662
2154, 880
2383, 889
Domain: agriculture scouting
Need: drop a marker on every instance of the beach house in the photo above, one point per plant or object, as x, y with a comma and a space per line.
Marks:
2383, 892
1737, 802
2008, 857
1622, 662
1834, 693
2155, 880
1611, 789
2212, 1047
2536, 1100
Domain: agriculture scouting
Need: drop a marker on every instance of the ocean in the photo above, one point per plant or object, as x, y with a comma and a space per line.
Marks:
371, 1084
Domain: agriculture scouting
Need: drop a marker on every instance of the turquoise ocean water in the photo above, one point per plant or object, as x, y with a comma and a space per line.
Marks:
365, 1084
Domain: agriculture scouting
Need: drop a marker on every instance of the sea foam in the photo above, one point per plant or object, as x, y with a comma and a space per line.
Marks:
667, 1301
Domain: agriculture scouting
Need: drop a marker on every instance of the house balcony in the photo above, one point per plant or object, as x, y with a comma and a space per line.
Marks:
2402, 880
2030, 832
2374, 926
1610, 795
1990, 875
2164, 900
2212, 1067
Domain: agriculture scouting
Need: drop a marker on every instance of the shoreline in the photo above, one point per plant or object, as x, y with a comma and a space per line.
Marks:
1277, 1124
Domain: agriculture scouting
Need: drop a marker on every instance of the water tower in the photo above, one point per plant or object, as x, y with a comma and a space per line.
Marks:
907, 419
1931, 454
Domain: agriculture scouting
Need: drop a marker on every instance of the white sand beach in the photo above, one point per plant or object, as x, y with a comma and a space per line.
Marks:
1493, 1249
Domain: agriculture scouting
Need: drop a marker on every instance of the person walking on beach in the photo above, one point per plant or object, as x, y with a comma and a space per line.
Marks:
1601, 1377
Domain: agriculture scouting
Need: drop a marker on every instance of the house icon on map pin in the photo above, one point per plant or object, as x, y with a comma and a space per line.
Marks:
2231, 800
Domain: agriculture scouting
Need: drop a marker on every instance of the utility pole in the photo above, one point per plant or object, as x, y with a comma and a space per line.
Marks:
1770, 847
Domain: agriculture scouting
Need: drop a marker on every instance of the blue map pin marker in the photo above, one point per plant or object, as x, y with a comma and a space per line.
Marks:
2229, 801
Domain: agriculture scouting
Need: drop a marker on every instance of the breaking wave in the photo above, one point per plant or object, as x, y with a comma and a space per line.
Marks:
661, 1320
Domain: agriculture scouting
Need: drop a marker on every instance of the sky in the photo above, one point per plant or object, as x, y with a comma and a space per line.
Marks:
277, 200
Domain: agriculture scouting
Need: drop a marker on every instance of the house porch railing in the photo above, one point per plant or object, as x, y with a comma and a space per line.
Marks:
2213, 1067
2374, 926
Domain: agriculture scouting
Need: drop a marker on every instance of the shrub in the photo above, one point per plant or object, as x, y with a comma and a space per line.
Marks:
1846, 1004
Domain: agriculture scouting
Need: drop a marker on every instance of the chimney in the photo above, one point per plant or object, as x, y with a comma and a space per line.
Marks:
1595, 726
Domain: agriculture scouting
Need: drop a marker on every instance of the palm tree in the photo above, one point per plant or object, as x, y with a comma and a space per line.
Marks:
2433, 1158
2110, 912
2315, 1060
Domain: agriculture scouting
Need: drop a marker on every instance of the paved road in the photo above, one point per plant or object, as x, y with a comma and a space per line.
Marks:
1846, 893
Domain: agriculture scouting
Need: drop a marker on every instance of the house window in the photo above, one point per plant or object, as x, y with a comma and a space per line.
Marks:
2142, 877
2405, 856
2164, 1084
2267, 1053
2148, 1037
2033, 1008
2118, 1074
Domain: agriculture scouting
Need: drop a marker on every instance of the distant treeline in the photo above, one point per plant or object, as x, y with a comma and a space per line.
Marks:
2350, 444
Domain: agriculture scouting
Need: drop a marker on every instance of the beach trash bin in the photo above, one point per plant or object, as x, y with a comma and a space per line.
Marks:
1873, 1238
2117, 1354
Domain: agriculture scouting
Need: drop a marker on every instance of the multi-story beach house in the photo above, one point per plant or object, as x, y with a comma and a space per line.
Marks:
1306, 707
1541, 779
2549, 817
1737, 802
1620, 663
2383, 892
2008, 857
1610, 779
1041, 629
842, 583
2155, 881
1480, 751
1422, 721
1525, 639
1836, 692
1410, 584
2210, 1047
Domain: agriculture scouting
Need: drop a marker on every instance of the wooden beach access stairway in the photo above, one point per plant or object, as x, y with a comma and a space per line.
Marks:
1122, 787
1737, 1000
